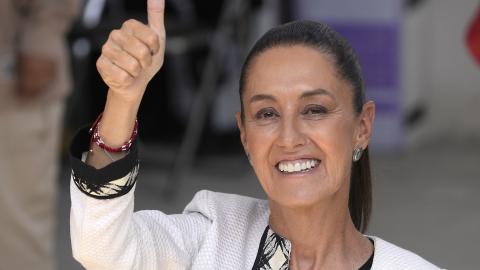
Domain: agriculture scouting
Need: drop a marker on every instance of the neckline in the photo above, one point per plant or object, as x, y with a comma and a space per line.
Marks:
274, 252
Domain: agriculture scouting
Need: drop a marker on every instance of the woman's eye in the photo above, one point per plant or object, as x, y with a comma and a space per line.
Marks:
266, 114
315, 110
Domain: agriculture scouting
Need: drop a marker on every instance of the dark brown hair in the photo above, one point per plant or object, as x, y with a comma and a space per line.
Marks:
324, 39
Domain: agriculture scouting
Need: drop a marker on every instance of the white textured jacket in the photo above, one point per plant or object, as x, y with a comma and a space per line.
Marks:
215, 230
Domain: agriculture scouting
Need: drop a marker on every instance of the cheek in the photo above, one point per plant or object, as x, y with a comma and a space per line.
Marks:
334, 138
260, 142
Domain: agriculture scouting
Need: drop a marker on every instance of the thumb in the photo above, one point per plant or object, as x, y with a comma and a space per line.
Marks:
156, 10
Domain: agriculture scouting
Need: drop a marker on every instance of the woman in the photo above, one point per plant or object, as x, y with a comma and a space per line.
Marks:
304, 125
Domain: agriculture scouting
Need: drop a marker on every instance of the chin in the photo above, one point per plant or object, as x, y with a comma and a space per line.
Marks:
303, 191
299, 197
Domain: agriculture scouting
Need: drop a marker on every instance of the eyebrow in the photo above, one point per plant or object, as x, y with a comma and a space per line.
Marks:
306, 94
315, 92
261, 97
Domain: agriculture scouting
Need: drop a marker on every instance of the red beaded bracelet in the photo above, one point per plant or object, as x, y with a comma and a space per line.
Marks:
98, 140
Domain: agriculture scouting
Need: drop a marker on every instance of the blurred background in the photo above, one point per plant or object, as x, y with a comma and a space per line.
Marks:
420, 64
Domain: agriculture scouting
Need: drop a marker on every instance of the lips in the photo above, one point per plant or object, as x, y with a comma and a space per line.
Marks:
296, 166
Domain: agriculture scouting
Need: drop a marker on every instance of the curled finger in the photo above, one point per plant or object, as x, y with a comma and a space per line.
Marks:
144, 34
113, 75
122, 59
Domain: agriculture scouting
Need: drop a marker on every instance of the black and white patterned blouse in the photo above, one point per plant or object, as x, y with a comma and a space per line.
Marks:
274, 253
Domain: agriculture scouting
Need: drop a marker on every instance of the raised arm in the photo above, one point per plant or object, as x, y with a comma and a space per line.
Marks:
105, 232
130, 58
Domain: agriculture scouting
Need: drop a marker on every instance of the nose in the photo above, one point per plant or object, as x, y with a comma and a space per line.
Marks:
291, 135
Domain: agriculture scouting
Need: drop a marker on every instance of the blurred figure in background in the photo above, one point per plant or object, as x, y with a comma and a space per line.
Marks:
34, 81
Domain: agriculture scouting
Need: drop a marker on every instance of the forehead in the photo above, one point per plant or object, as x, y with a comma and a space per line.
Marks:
288, 68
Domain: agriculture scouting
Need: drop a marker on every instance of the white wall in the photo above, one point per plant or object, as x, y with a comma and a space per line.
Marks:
439, 70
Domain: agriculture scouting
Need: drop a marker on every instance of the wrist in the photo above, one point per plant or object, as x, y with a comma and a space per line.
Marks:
97, 139
125, 97
118, 119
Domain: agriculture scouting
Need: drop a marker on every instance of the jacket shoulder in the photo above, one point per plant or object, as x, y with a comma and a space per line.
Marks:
390, 256
225, 206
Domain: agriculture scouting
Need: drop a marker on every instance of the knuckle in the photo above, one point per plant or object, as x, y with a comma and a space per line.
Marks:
134, 67
128, 23
144, 53
152, 39
108, 52
99, 64
115, 35
112, 34
105, 49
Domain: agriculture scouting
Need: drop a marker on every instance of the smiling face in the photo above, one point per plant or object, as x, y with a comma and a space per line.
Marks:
299, 125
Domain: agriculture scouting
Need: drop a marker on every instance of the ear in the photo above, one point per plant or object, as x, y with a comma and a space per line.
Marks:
365, 124
241, 127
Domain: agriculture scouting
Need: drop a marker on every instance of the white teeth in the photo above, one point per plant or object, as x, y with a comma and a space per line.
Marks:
290, 167
296, 166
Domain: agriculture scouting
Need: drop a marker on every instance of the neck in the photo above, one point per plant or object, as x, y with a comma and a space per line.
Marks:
322, 235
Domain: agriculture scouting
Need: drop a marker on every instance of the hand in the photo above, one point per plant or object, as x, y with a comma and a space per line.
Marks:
130, 58
134, 53
35, 74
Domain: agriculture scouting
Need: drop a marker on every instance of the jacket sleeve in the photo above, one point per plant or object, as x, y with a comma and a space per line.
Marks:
105, 231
